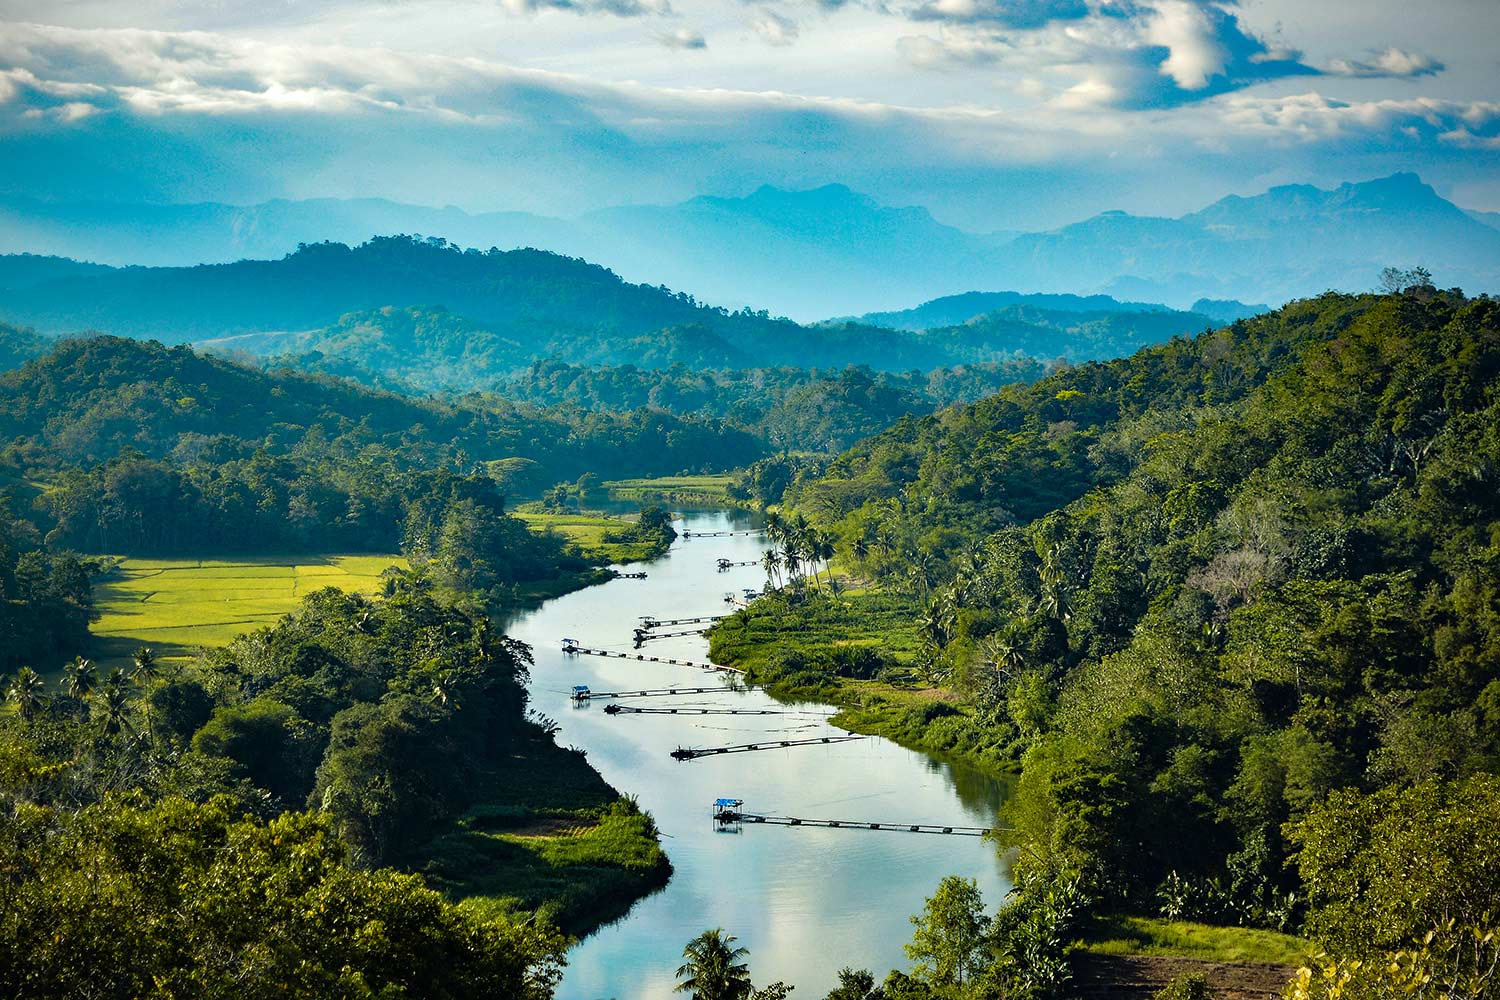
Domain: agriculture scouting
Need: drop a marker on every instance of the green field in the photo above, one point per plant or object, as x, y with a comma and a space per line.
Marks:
587, 531
176, 605
707, 490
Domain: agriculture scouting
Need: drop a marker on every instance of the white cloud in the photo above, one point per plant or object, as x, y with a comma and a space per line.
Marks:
1195, 52
1393, 62
774, 28
684, 38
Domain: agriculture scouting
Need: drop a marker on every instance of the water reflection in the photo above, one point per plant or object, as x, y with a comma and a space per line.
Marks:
805, 901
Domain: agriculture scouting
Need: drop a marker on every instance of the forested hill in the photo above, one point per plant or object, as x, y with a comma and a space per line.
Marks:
92, 400
1032, 449
405, 311
1196, 591
524, 293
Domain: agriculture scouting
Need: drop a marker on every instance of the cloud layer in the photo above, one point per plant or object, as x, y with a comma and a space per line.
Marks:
1100, 97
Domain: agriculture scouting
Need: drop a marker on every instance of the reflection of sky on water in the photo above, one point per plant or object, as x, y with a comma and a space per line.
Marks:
804, 901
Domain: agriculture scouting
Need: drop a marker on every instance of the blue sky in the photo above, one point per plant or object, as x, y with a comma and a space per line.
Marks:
996, 114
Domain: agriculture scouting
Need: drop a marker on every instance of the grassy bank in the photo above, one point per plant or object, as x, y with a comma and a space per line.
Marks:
551, 837
598, 535
1125, 935
857, 652
703, 491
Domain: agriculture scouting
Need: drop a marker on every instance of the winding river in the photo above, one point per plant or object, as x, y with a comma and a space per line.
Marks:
805, 901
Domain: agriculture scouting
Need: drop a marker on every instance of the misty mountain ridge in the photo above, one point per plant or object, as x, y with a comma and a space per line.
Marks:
831, 251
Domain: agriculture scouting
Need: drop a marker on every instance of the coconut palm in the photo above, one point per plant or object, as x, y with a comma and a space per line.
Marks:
113, 710
824, 551
713, 968
772, 564
860, 549
80, 678
26, 691
774, 526
144, 666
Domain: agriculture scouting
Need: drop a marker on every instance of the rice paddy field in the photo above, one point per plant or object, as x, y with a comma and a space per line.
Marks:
176, 605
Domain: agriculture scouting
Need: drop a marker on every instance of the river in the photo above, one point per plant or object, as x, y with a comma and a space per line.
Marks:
804, 901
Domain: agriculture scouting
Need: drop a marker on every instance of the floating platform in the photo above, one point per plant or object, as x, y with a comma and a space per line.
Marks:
641, 635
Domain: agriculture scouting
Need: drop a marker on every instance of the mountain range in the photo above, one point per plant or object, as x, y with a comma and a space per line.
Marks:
402, 312
832, 251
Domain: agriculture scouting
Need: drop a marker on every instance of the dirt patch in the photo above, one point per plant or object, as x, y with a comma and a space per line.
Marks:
1138, 977
548, 827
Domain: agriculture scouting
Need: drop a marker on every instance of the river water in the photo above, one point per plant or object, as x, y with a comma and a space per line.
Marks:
805, 901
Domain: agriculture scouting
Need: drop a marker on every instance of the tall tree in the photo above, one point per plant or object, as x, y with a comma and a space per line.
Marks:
713, 968
949, 944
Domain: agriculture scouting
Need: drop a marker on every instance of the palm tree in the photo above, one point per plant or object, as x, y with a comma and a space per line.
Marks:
860, 549
772, 563
775, 526
80, 678
114, 710
26, 692
823, 549
791, 557
144, 666
713, 969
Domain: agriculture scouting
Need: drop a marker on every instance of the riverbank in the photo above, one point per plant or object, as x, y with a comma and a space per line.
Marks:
856, 653
547, 835
809, 650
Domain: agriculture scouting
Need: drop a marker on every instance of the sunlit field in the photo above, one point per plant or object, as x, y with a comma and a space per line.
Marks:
177, 605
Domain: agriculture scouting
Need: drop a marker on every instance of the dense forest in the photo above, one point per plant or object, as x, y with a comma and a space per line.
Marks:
157, 450
169, 806
788, 408
1231, 606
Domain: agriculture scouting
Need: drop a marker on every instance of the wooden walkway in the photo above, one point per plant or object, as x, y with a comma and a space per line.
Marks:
690, 753
586, 651
641, 635
586, 695
720, 534
627, 710
649, 622
730, 818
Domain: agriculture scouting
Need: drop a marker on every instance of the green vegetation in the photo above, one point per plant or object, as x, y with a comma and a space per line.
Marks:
548, 836
1192, 594
1122, 935
177, 605
798, 408
688, 490
124, 899
394, 719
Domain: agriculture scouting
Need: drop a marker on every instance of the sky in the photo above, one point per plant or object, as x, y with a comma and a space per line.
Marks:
994, 114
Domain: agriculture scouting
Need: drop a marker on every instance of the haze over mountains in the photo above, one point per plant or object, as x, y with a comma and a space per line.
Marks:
401, 311
831, 251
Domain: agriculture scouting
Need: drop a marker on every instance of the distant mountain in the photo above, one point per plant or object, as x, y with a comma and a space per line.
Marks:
831, 251
1491, 219
404, 313
527, 296
18, 346
796, 251
804, 253
951, 310
1226, 311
